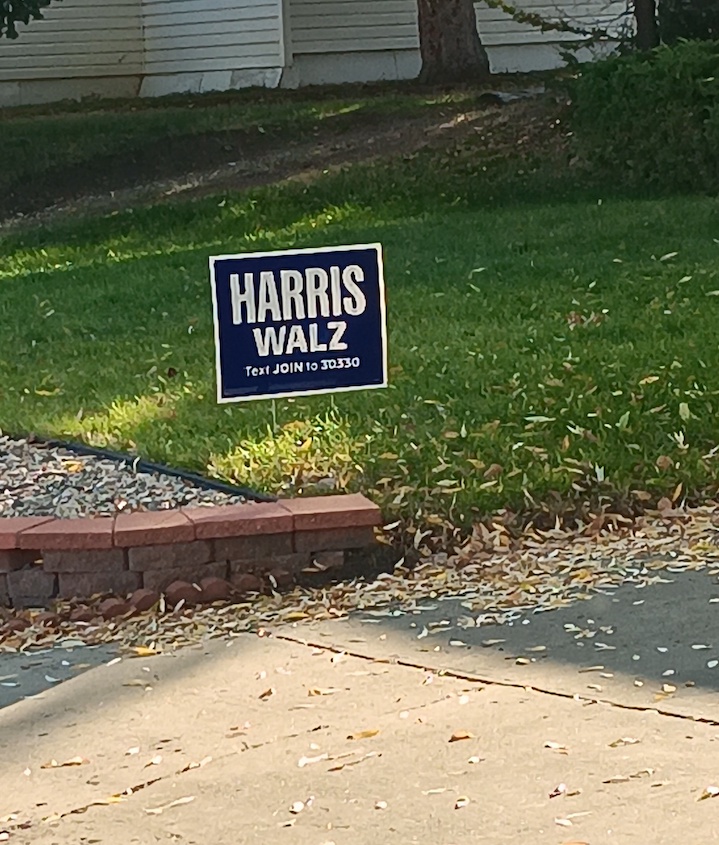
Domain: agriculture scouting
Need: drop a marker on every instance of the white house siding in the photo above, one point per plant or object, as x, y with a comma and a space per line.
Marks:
153, 47
350, 40
353, 41
81, 47
518, 48
203, 45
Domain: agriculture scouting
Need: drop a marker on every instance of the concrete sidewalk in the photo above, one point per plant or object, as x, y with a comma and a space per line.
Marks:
342, 733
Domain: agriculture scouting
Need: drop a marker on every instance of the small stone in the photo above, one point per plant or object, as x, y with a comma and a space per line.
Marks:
282, 578
215, 589
113, 607
182, 591
82, 614
247, 583
144, 599
17, 624
46, 618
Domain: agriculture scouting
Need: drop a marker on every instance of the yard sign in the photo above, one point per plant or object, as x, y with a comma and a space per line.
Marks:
298, 322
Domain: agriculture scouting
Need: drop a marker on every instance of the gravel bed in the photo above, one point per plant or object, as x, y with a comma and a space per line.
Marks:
38, 480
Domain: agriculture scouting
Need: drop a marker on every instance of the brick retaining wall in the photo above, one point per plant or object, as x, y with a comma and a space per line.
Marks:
197, 554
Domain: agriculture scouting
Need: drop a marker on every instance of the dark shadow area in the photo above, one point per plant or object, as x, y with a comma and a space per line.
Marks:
37, 673
263, 151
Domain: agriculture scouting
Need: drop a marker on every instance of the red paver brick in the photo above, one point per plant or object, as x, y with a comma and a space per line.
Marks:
324, 512
280, 579
144, 599
239, 520
89, 560
113, 607
63, 534
158, 579
264, 545
11, 527
334, 539
183, 591
81, 585
168, 556
15, 559
215, 589
245, 582
151, 528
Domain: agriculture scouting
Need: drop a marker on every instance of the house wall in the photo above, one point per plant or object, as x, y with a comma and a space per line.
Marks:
206, 45
82, 47
351, 41
123, 48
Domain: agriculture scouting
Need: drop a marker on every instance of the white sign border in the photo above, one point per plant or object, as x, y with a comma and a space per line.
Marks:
228, 400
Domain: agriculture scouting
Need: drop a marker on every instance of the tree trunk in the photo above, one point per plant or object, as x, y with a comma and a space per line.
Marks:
449, 42
645, 15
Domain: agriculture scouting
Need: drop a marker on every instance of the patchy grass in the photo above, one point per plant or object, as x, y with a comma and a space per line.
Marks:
42, 143
546, 338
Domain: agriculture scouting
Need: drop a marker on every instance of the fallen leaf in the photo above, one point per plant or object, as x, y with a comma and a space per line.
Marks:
473, 760
268, 693
52, 680
297, 807
460, 735
668, 688
321, 691
558, 790
380, 805
625, 740
341, 766
709, 792
308, 761
563, 822
364, 734
143, 651
155, 811
156, 760
73, 761
556, 746
462, 801
131, 751
200, 765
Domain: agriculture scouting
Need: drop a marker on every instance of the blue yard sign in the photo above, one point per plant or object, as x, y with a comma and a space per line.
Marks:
298, 322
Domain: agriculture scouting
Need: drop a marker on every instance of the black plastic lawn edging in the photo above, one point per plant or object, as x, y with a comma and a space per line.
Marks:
139, 465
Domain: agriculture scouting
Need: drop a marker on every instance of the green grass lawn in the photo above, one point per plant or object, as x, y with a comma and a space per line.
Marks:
544, 336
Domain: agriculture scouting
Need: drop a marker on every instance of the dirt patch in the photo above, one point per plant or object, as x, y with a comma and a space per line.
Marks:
197, 165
